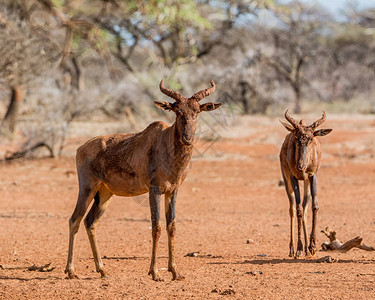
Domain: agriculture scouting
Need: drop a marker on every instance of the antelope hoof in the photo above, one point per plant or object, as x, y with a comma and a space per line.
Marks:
298, 254
155, 275
103, 274
291, 251
177, 276
312, 249
299, 249
71, 274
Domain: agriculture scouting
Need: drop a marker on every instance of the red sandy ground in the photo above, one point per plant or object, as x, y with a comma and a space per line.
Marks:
231, 195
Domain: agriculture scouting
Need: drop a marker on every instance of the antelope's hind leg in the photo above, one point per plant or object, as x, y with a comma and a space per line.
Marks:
170, 214
85, 196
102, 200
315, 208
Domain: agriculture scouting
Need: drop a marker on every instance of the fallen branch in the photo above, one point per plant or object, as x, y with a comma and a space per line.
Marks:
327, 259
23, 153
335, 245
44, 268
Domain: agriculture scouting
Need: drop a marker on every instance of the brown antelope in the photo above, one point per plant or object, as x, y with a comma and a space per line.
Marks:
300, 158
155, 160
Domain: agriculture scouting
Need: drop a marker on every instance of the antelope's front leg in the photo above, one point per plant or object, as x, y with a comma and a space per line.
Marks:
315, 207
297, 196
154, 197
292, 211
306, 200
170, 214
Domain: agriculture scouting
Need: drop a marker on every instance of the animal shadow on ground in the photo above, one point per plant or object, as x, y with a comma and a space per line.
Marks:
273, 261
129, 257
29, 279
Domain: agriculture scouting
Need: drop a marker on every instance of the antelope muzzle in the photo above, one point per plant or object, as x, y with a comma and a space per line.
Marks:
301, 159
187, 139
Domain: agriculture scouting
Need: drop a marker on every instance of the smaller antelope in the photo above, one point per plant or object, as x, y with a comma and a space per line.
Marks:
300, 159
154, 161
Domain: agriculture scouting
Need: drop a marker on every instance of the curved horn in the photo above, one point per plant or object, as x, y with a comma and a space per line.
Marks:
291, 120
204, 93
173, 94
318, 122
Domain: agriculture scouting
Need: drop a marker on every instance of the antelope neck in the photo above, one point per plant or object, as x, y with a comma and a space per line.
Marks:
181, 152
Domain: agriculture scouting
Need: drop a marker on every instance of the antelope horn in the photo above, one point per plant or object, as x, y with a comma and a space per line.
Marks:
204, 93
291, 120
318, 122
173, 94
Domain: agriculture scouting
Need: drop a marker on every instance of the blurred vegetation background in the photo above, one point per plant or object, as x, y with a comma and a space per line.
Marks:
65, 64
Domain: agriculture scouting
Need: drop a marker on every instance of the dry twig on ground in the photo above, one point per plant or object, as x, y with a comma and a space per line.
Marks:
335, 245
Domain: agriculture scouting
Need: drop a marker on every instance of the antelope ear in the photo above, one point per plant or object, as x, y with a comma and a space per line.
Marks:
164, 105
287, 126
322, 132
209, 106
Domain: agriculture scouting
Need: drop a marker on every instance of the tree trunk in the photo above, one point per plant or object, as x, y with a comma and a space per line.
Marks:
9, 122
243, 97
79, 79
297, 93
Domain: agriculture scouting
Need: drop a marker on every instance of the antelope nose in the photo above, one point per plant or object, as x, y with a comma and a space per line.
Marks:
186, 140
